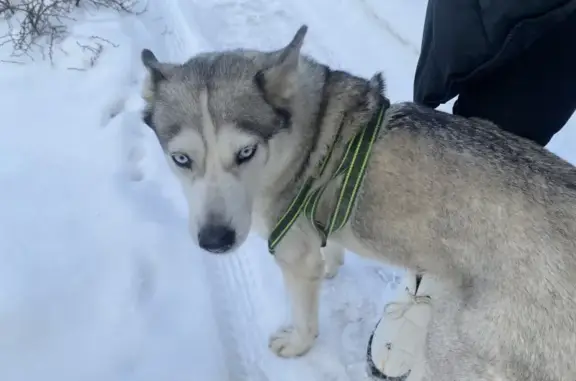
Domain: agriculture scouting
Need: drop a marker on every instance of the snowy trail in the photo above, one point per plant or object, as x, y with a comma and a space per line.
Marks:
248, 301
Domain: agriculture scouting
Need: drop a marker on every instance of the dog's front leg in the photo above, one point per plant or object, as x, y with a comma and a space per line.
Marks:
333, 259
302, 268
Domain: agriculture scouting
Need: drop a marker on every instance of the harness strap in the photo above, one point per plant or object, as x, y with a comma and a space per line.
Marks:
352, 167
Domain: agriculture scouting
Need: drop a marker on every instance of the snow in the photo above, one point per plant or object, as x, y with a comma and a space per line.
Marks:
98, 278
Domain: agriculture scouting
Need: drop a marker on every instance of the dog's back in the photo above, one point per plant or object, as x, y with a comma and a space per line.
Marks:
465, 200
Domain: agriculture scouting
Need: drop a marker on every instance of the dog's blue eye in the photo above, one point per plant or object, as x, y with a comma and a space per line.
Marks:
182, 160
246, 154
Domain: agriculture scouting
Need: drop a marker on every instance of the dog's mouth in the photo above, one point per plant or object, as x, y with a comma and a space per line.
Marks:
220, 251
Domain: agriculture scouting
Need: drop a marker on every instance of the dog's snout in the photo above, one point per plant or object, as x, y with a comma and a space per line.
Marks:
216, 238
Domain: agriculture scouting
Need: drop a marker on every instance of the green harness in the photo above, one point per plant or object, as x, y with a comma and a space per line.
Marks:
352, 167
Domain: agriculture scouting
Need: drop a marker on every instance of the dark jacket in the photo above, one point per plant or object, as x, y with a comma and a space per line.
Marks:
464, 39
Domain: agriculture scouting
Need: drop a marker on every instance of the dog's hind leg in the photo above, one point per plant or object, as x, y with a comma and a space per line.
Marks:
300, 260
333, 259
450, 353
448, 364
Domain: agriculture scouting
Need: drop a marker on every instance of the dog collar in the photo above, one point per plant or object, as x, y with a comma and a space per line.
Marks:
352, 167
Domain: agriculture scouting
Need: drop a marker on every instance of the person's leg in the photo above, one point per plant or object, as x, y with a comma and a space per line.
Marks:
533, 96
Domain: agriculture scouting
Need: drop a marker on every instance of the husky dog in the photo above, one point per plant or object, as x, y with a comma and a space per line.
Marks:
490, 215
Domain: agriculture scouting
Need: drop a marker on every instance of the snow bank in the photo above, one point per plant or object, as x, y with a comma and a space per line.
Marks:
97, 281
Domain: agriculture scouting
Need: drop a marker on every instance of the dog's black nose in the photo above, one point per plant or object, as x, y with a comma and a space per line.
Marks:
216, 238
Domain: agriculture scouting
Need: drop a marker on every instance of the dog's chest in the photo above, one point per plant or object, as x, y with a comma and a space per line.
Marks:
261, 216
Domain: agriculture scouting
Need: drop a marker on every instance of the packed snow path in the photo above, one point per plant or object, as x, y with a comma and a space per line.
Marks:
99, 280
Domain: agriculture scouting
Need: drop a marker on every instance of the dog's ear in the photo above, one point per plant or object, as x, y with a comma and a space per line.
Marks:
157, 72
377, 90
279, 81
153, 66
377, 84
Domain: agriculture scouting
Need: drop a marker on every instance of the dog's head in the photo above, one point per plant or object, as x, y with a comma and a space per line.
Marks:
215, 117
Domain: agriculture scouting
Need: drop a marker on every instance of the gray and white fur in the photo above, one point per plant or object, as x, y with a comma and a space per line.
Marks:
491, 215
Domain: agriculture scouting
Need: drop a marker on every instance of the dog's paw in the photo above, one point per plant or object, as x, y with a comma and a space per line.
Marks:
288, 342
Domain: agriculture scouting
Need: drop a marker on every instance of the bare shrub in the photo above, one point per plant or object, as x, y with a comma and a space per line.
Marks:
42, 23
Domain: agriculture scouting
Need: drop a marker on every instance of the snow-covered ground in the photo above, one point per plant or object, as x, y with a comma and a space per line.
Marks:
98, 278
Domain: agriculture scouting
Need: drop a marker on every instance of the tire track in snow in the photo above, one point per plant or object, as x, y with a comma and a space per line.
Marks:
355, 36
388, 28
233, 280
237, 289
139, 167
